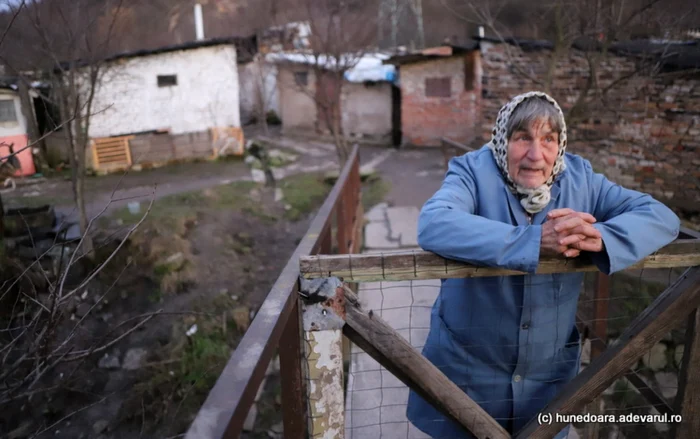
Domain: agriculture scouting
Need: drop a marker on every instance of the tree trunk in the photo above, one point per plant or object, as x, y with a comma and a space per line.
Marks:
262, 94
70, 109
338, 136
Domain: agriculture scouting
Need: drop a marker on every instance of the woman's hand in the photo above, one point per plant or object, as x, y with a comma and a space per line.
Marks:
569, 232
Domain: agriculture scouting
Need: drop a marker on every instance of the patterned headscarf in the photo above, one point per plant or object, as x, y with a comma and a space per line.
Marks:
533, 200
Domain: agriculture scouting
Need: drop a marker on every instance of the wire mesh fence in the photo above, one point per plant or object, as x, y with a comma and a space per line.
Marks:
511, 343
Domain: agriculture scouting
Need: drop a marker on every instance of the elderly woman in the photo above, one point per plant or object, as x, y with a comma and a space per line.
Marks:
511, 343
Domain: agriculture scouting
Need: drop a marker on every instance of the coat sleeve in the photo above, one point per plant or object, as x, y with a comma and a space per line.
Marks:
633, 224
448, 226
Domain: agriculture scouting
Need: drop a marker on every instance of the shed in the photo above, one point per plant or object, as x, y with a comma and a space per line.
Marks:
172, 103
366, 103
440, 92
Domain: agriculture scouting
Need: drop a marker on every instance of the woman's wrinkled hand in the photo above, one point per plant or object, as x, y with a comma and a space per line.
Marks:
567, 232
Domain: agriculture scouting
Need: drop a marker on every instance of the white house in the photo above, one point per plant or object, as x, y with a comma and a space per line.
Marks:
170, 103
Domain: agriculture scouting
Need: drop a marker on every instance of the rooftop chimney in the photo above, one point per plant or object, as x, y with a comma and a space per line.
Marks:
198, 22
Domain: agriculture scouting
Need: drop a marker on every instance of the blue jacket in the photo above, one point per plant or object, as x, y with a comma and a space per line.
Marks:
511, 342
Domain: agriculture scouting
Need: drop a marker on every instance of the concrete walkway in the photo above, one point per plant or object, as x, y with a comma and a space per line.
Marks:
376, 400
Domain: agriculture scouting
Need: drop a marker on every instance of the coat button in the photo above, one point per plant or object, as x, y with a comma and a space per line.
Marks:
516, 378
525, 326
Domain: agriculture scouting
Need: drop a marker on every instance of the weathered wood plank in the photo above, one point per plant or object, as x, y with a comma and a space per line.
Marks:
392, 351
323, 311
294, 413
425, 265
325, 371
647, 329
688, 397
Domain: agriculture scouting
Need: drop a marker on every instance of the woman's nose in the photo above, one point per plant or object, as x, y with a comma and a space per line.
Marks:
534, 153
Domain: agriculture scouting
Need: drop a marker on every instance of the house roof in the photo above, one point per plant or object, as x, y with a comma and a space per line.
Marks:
239, 42
671, 54
680, 55
367, 67
245, 49
438, 52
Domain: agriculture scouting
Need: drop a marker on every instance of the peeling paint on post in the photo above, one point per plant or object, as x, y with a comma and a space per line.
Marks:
323, 312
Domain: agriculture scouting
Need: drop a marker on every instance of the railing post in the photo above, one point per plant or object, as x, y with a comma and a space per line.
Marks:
294, 411
601, 299
341, 220
687, 402
326, 240
599, 326
323, 309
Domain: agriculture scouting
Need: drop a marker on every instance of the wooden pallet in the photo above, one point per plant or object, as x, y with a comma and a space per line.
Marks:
227, 140
111, 152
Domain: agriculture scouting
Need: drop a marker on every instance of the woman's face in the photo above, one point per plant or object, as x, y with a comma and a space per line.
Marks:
532, 153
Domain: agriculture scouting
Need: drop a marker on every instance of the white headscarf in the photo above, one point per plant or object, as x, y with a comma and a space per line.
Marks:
533, 200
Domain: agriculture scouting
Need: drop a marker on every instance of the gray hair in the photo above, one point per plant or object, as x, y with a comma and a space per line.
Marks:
530, 111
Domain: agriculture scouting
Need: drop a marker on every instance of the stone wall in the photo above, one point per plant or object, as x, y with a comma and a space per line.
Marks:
425, 119
644, 134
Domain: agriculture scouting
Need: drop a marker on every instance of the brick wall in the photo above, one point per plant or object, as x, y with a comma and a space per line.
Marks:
425, 119
644, 135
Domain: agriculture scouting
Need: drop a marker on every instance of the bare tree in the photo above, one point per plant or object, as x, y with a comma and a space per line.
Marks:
69, 45
591, 25
342, 32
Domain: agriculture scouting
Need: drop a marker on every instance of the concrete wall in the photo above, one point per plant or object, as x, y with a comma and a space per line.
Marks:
645, 135
366, 110
256, 84
297, 105
129, 99
425, 119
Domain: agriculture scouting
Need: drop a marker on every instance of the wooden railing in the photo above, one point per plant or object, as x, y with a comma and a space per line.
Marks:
451, 148
277, 324
677, 303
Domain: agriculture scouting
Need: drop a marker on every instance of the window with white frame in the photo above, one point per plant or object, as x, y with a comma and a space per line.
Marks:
7, 111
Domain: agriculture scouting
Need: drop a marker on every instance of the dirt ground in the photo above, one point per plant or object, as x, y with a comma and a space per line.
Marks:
207, 255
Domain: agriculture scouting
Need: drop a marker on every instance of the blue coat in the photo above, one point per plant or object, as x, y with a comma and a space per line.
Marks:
511, 342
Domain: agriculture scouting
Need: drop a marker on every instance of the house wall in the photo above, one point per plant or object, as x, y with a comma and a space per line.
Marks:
425, 119
297, 105
129, 99
163, 148
366, 110
13, 128
257, 83
15, 133
645, 136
